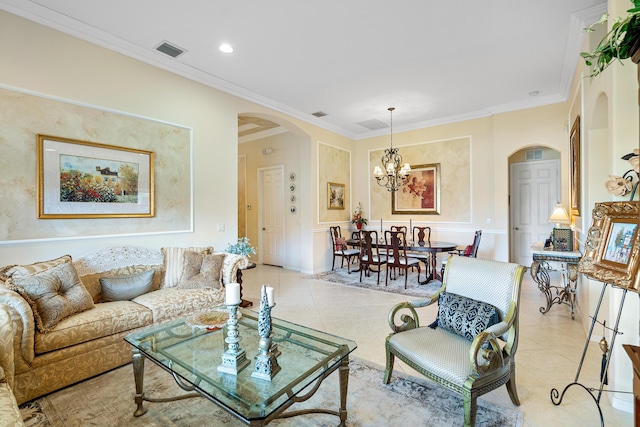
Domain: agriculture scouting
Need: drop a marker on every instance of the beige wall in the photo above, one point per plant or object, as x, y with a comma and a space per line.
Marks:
334, 166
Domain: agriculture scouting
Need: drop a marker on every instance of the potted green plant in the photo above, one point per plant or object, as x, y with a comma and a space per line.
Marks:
242, 247
621, 42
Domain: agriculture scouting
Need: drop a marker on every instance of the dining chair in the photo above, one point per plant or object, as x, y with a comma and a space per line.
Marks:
421, 236
340, 249
370, 253
469, 251
397, 259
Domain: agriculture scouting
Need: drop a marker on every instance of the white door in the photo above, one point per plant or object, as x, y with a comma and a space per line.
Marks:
534, 189
271, 198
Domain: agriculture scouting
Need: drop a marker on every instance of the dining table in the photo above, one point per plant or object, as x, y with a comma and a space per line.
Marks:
432, 247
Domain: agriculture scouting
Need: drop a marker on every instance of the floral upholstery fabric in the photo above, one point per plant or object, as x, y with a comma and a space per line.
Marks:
24, 324
14, 271
53, 294
9, 412
173, 302
104, 320
232, 262
201, 270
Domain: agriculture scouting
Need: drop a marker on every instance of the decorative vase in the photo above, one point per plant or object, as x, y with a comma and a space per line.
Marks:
359, 225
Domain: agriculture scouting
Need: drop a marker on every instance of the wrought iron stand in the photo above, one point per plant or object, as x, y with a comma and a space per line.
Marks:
556, 397
565, 294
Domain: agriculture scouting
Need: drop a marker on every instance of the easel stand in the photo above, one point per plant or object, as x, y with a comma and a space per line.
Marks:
554, 392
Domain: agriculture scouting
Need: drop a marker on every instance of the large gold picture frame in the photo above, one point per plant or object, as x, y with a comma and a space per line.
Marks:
421, 193
574, 146
81, 179
612, 249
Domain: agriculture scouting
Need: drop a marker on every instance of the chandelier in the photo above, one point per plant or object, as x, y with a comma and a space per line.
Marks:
395, 174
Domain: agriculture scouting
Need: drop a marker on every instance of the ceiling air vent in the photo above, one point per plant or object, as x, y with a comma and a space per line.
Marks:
533, 155
319, 114
373, 124
169, 49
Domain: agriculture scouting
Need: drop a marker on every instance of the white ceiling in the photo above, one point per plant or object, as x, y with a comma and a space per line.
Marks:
435, 62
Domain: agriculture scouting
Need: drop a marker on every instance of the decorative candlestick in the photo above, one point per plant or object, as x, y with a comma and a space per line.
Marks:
234, 359
266, 361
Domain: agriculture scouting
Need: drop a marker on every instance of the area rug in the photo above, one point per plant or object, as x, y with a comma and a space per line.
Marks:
107, 400
342, 277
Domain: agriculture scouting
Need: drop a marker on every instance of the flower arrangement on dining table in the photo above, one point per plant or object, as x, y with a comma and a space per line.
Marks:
627, 183
358, 217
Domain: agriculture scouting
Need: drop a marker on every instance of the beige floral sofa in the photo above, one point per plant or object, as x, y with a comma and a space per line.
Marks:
120, 289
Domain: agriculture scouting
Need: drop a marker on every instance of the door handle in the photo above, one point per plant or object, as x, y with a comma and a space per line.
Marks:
263, 229
515, 228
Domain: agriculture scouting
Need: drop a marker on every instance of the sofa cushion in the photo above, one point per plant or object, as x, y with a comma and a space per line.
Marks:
173, 263
92, 281
105, 319
53, 294
15, 271
201, 270
170, 303
126, 287
464, 316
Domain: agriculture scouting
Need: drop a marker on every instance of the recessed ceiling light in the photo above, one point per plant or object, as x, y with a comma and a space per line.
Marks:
225, 48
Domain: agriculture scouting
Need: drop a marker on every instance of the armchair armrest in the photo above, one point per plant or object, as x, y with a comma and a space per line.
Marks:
7, 331
410, 321
22, 318
232, 262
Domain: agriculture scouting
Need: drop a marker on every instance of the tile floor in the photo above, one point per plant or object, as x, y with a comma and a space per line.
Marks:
548, 355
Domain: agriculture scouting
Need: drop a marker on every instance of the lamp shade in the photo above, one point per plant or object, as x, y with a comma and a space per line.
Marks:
559, 215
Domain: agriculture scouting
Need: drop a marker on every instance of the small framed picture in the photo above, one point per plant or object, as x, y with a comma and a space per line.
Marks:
292, 176
292, 188
562, 239
612, 249
292, 198
335, 196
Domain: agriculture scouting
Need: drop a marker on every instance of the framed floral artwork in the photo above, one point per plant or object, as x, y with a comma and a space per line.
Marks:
335, 196
421, 193
612, 249
80, 179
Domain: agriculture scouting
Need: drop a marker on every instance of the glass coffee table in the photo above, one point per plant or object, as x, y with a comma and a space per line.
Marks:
192, 354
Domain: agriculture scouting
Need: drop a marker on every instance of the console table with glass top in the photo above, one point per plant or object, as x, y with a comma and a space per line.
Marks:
191, 355
564, 262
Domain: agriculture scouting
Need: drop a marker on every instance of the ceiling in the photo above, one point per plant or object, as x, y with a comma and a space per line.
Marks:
435, 62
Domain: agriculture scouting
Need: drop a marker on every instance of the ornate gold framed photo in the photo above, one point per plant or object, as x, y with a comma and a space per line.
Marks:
335, 196
80, 179
421, 193
612, 248
574, 147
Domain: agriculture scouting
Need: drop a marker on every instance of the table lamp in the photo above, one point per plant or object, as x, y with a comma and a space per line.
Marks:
562, 237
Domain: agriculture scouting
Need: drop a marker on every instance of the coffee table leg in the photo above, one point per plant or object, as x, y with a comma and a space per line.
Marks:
138, 375
344, 384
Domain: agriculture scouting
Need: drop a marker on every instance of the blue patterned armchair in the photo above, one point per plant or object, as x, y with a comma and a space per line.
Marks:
464, 350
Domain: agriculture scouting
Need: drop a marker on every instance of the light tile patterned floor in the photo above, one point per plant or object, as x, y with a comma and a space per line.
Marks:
548, 355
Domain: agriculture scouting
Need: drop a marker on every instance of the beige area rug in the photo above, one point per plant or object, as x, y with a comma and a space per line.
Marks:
341, 276
107, 400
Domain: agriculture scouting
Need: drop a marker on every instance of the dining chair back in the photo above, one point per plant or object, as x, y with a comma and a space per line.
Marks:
470, 251
402, 228
340, 249
422, 237
397, 259
370, 253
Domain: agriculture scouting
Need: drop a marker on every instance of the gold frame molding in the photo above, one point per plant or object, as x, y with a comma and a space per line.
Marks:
49, 152
574, 149
330, 188
598, 262
396, 202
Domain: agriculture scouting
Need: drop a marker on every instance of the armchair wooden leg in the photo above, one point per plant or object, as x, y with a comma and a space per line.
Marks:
389, 368
511, 386
470, 408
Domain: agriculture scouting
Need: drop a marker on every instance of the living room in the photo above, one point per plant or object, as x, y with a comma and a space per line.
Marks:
43, 63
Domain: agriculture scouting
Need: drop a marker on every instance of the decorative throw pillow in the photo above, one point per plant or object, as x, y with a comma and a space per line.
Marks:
341, 243
53, 294
14, 271
464, 316
173, 262
201, 270
126, 287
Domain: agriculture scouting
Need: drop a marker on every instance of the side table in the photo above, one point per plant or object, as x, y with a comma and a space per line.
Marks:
568, 267
244, 303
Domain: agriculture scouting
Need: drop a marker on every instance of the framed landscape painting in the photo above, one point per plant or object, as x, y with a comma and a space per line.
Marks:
80, 179
612, 249
421, 193
335, 196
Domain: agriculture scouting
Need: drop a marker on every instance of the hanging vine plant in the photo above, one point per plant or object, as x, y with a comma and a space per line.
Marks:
621, 42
